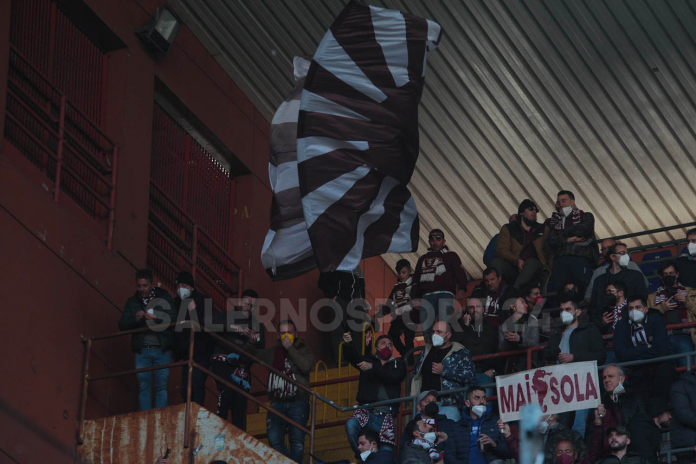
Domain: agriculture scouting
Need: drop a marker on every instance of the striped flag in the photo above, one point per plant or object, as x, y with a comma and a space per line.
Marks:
356, 121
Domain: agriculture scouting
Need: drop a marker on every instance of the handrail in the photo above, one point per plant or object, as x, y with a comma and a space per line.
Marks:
651, 231
171, 200
326, 377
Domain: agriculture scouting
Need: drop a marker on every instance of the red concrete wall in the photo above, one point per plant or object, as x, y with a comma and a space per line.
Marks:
59, 279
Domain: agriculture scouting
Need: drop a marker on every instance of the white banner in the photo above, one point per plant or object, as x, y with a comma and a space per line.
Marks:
559, 388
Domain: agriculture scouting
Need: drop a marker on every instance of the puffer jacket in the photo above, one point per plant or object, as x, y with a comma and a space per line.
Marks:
458, 371
389, 374
690, 306
128, 322
511, 241
300, 357
457, 445
683, 398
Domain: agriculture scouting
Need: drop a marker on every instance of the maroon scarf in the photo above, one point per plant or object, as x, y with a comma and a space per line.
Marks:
573, 219
661, 296
278, 387
387, 432
433, 265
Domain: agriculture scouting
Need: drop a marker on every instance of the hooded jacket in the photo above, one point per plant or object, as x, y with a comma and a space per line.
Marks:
134, 305
656, 333
389, 374
299, 356
458, 371
683, 398
457, 446
511, 241
586, 344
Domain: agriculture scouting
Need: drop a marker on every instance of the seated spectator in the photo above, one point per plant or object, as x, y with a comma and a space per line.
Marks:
444, 365
625, 408
399, 304
549, 427
478, 428
521, 247
677, 303
192, 303
480, 338
571, 239
424, 445
241, 329
612, 313
380, 379
607, 243
640, 336
532, 293
291, 357
495, 294
369, 449
580, 341
684, 411
519, 331
568, 450
149, 305
429, 411
686, 263
619, 438
439, 278
618, 271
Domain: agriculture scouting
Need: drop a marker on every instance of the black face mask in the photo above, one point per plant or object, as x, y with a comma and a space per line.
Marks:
572, 294
669, 280
431, 409
610, 299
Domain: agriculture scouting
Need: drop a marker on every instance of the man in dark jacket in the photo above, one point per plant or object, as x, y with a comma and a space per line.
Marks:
477, 428
239, 326
429, 411
369, 449
684, 411
572, 240
686, 263
150, 305
380, 379
291, 357
193, 305
495, 294
619, 439
424, 444
521, 248
640, 336
617, 271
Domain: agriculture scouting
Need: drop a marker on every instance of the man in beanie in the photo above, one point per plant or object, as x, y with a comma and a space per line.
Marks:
193, 305
521, 250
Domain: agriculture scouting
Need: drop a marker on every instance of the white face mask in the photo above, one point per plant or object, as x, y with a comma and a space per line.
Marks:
479, 410
619, 390
543, 427
567, 210
183, 292
636, 316
624, 260
567, 318
365, 454
430, 437
438, 340
692, 249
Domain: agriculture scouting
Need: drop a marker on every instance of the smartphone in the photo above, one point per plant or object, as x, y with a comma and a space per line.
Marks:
169, 451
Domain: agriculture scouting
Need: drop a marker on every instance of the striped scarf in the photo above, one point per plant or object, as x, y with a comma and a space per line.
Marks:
435, 455
387, 433
433, 266
573, 219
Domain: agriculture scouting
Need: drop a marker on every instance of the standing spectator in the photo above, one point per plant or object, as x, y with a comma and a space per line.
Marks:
479, 337
438, 278
192, 304
369, 449
424, 445
572, 240
149, 305
642, 335
496, 295
521, 247
442, 366
380, 379
625, 408
519, 331
429, 411
240, 328
580, 341
399, 304
686, 263
290, 356
684, 411
677, 303
607, 243
613, 312
478, 428
618, 272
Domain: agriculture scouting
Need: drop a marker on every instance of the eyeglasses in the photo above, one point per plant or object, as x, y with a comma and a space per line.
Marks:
533, 208
435, 237
621, 253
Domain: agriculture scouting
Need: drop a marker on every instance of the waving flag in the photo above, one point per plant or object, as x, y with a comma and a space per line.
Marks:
356, 145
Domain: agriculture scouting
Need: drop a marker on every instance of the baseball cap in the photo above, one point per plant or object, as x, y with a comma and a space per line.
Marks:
620, 429
422, 395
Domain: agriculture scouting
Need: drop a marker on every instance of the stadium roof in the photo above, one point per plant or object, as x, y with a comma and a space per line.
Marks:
522, 99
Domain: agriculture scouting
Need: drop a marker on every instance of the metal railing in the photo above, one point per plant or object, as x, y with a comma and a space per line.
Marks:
60, 140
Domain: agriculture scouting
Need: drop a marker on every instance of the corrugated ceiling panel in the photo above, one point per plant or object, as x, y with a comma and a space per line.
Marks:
522, 99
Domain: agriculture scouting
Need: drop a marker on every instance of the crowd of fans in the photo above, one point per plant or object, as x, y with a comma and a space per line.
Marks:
601, 312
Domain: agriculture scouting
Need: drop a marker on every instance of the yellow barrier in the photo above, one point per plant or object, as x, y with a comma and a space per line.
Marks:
326, 377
